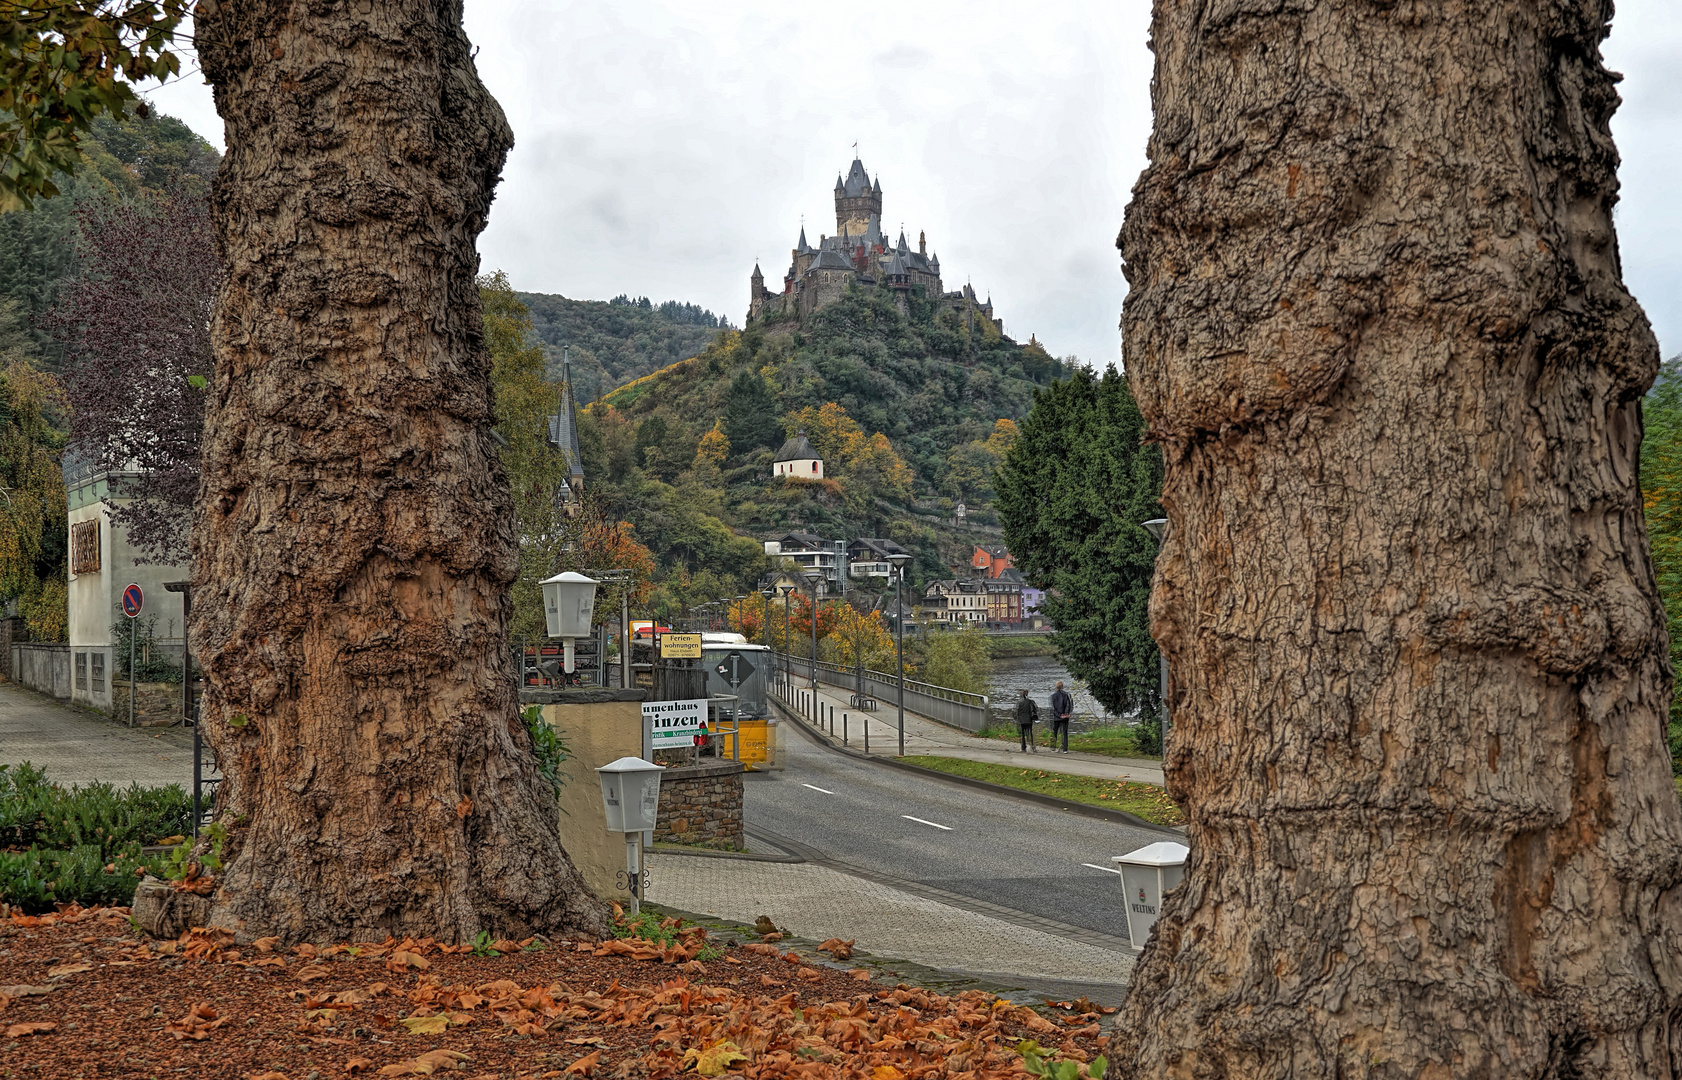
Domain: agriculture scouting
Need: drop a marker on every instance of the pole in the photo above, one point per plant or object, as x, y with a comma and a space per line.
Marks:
625, 640
131, 637
814, 668
198, 778
788, 654
632, 870
899, 628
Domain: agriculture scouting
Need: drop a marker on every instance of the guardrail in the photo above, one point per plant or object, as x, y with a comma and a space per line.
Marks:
957, 708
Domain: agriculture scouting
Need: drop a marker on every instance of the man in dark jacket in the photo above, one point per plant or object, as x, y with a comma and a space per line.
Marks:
1026, 713
1062, 707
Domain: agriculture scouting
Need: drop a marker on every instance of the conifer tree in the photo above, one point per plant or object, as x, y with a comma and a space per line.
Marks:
1075, 484
751, 419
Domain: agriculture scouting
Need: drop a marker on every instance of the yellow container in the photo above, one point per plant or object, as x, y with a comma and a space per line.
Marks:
758, 743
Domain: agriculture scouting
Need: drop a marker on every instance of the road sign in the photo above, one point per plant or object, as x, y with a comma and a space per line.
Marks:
680, 646
735, 669
132, 600
676, 723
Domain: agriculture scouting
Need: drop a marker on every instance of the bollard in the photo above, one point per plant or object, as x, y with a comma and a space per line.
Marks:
867, 734
843, 729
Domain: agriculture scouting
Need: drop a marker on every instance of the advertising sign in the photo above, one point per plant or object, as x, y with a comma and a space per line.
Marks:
676, 723
680, 646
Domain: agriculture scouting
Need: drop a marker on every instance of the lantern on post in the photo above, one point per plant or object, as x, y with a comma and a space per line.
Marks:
569, 603
631, 802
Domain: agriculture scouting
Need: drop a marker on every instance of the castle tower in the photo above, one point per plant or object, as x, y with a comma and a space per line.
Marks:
756, 293
858, 205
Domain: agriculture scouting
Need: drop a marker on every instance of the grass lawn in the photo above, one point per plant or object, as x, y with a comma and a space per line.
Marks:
1142, 800
1111, 740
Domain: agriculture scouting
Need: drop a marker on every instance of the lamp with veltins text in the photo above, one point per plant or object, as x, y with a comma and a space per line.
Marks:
569, 603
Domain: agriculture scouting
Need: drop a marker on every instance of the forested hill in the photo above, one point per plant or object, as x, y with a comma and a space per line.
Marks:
617, 340
126, 157
933, 388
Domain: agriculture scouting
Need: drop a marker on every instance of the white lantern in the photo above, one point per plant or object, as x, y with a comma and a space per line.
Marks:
630, 794
569, 602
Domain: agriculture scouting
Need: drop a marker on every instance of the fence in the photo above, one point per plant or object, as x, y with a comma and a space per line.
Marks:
42, 666
957, 708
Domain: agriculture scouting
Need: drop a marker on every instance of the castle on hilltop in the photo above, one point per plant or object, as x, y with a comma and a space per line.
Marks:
859, 253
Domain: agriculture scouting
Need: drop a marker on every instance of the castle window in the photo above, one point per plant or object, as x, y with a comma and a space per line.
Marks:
84, 547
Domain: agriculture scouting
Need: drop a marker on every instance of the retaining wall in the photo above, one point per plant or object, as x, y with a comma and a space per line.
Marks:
701, 805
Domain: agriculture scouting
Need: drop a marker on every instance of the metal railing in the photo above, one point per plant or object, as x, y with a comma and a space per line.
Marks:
957, 708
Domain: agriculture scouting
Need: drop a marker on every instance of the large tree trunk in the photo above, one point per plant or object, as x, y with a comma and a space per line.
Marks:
1376, 320
353, 541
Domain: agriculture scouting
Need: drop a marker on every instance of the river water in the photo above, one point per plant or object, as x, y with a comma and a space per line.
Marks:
1039, 674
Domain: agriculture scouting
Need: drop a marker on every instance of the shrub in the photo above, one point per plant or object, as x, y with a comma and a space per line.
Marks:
80, 844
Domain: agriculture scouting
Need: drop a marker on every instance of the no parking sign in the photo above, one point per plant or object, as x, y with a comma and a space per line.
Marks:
132, 600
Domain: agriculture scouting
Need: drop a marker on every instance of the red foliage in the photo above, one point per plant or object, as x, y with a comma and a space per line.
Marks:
135, 325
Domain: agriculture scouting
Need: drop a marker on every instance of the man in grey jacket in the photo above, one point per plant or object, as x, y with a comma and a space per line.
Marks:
1026, 713
1062, 707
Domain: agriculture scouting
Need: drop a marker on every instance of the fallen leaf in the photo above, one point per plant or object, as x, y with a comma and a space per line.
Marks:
425, 1025
197, 1024
271, 1075
759, 947
402, 958
731, 960
589, 1061
715, 1059
773, 937
860, 974
809, 974
22, 990
693, 967
886, 1072
67, 969
311, 973
427, 1063
766, 980
841, 950
587, 1040
358, 1064
506, 946
792, 957
265, 944
34, 1027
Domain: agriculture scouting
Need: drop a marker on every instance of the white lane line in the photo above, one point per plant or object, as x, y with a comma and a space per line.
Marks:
815, 787
920, 821
1105, 869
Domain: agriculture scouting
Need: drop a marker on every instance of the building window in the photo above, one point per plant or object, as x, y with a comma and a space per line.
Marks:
84, 547
81, 671
98, 659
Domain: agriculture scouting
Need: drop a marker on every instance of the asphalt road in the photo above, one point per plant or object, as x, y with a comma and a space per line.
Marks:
973, 843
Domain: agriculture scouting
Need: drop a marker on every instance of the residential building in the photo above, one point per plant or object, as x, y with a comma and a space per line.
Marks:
990, 560
798, 460
1004, 597
814, 554
867, 557
954, 602
102, 566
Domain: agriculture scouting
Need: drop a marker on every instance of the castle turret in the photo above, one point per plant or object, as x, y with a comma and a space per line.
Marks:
756, 293
858, 204
923, 243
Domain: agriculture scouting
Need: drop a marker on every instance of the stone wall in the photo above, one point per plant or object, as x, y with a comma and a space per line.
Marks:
156, 704
701, 805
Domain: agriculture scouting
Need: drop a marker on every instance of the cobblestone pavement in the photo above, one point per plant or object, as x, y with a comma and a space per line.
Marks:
75, 746
924, 736
818, 902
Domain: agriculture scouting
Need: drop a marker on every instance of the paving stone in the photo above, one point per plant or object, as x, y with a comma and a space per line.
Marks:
75, 746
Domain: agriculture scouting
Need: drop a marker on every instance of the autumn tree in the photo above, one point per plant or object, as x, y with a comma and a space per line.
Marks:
354, 541
1661, 495
1419, 672
134, 326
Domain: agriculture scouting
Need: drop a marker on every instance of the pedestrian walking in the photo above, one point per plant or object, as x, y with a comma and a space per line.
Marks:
1026, 713
1062, 707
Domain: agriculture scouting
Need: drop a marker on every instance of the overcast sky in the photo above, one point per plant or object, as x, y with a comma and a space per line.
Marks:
663, 147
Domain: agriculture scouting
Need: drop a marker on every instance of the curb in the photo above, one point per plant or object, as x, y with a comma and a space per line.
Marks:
714, 853
1099, 813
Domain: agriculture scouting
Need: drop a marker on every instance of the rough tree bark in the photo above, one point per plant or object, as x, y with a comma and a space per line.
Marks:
353, 539
1377, 322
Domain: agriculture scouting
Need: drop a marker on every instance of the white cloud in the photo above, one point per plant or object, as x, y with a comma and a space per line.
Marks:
663, 146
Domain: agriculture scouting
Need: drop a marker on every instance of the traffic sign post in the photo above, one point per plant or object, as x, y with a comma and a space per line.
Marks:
133, 601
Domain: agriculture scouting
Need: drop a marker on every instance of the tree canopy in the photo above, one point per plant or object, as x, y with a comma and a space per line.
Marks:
1075, 484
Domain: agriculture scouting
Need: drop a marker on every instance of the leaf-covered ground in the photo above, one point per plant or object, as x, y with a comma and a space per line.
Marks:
1141, 800
82, 996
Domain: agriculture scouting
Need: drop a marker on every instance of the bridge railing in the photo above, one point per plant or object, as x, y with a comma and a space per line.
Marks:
957, 708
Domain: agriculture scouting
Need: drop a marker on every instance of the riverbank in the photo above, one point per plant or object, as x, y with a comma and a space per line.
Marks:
1013, 646
1110, 740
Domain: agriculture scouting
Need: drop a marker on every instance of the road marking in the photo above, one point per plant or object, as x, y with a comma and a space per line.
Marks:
1105, 869
815, 787
920, 821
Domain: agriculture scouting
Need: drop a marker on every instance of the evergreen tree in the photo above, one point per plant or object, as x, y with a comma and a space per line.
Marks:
751, 417
1075, 485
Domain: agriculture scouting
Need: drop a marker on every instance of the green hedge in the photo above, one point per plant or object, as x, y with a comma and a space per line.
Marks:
80, 844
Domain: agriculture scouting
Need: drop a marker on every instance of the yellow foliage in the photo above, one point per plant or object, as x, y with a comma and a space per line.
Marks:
715, 1059
714, 445
1003, 438
847, 452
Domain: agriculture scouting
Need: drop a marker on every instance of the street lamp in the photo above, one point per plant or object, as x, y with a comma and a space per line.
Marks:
631, 803
765, 613
812, 582
788, 650
1158, 528
569, 601
899, 560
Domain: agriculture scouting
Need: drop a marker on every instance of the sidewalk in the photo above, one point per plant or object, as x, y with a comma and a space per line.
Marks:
924, 736
75, 746
819, 902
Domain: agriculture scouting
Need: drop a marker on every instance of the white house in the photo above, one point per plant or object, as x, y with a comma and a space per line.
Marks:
799, 459
101, 566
